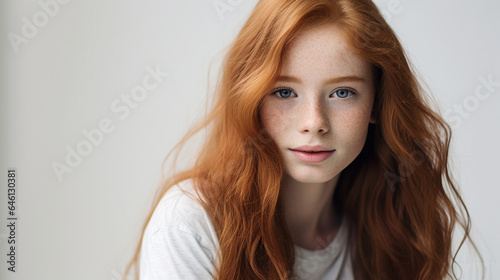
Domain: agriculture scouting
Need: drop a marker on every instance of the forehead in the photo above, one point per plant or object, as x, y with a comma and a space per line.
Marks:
319, 49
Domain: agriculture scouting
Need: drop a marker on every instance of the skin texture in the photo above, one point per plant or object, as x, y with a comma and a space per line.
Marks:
310, 111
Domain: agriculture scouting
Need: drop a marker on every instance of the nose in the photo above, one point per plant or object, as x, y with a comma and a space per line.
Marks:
313, 117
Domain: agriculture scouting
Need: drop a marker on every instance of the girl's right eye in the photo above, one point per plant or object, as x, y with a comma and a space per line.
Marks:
284, 92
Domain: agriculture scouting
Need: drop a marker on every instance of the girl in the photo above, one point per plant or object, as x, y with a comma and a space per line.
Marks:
323, 160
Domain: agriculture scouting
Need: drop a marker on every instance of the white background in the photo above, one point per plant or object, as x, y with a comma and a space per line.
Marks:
89, 53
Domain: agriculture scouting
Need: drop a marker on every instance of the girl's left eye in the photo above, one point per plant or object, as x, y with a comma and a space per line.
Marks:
343, 93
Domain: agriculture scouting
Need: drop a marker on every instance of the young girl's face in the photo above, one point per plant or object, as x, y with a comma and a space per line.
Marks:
324, 96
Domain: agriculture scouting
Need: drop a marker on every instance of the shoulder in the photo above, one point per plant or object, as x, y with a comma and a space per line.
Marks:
180, 210
179, 241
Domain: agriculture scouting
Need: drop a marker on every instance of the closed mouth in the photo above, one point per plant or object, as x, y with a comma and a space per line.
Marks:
312, 151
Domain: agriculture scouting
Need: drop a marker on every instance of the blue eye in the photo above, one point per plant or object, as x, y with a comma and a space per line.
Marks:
343, 93
284, 93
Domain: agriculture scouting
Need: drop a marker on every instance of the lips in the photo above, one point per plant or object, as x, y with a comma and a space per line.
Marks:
312, 154
316, 148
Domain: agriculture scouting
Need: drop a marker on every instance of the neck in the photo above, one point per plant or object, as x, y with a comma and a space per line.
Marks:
310, 213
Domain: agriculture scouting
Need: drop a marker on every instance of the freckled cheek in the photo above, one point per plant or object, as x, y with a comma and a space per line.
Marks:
351, 124
275, 121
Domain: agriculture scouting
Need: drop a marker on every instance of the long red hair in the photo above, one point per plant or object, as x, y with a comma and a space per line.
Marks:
398, 193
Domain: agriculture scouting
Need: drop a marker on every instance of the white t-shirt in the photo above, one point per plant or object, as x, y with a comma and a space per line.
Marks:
180, 243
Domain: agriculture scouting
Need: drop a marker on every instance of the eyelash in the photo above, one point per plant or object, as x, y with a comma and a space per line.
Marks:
277, 90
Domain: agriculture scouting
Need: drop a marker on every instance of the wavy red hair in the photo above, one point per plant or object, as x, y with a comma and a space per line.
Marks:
398, 192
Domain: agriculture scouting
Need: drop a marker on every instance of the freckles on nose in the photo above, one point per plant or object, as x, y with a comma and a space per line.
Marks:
313, 110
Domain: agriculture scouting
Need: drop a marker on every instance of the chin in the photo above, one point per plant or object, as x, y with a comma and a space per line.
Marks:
310, 177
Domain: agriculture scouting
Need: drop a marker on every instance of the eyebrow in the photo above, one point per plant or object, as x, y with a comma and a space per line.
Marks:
336, 80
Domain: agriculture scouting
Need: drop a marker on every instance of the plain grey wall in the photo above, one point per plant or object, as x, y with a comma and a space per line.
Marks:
72, 66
